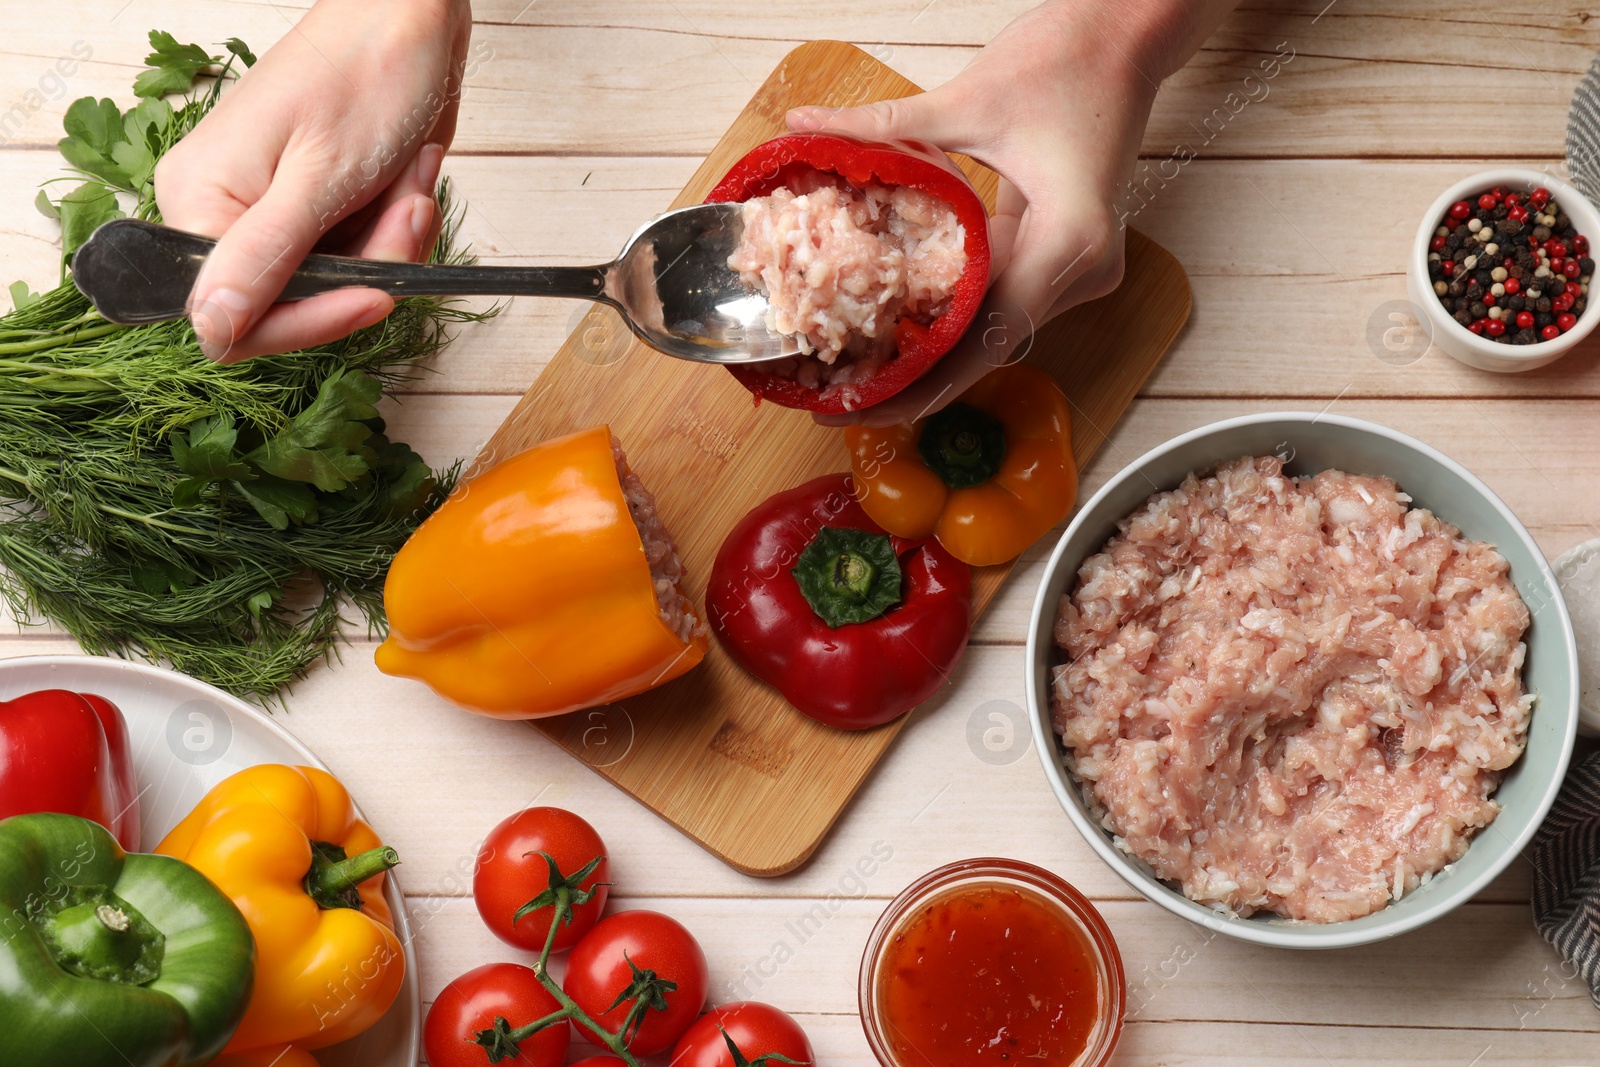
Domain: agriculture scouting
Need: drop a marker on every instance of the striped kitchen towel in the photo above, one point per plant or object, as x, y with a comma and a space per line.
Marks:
1583, 134
1566, 866
1566, 851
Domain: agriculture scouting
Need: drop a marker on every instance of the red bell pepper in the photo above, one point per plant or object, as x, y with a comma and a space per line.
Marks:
68, 752
854, 627
902, 163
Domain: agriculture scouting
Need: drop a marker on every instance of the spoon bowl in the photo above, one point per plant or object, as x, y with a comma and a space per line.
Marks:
672, 284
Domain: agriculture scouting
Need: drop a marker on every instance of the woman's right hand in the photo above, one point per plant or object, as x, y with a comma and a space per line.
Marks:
333, 140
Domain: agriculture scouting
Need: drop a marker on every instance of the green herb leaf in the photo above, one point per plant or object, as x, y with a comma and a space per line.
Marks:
96, 124
82, 212
260, 602
279, 502
95, 129
324, 444
208, 452
149, 119
173, 66
92, 163
22, 296
158, 577
240, 49
406, 482
46, 206
143, 128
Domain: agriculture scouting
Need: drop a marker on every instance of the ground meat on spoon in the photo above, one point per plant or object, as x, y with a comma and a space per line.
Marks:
842, 264
666, 569
1292, 695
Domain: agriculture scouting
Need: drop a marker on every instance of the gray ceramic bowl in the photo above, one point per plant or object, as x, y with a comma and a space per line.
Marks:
1315, 443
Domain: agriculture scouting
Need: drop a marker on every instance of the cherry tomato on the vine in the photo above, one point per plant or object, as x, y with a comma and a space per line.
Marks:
510, 873
758, 1029
598, 972
470, 1004
599, 1061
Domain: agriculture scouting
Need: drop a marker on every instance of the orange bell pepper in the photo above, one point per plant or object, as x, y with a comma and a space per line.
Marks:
285, 844
528, 593
987, 475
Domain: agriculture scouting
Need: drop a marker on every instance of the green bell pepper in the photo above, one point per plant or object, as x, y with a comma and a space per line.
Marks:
109, 959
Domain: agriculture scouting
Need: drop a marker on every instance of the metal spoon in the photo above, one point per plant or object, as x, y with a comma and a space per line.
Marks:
671, 284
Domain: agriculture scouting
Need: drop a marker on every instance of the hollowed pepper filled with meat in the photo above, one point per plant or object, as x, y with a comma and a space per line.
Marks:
873, 256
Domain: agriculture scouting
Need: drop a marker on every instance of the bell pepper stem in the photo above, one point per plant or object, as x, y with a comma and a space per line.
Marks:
848, 575
964, 445
331, 882
97, 934
854, 572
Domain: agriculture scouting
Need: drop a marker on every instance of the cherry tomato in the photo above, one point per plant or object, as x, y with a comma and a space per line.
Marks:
599, 1061
758, 1029
598, 972
511, 872
471, 1003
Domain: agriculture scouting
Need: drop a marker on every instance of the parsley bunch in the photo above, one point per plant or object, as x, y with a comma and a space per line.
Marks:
215, 517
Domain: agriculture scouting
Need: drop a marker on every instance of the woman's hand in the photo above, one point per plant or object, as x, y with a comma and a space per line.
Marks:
333, 140
1057, 104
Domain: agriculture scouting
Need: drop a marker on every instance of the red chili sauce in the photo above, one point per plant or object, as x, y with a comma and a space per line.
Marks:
989, 974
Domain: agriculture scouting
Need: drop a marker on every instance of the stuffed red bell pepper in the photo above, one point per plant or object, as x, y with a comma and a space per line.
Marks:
874, 257
854, 627
68, 753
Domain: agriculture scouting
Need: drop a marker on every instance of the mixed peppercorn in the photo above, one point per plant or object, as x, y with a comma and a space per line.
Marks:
1511, 267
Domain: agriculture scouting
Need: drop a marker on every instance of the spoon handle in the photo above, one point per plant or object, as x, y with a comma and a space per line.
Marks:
320, 274
137, 271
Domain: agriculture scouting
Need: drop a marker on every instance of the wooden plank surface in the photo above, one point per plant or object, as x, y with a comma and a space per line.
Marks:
569, 139
1368, 78
717, 753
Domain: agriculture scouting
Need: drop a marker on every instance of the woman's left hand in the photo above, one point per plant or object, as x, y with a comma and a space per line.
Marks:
1057, 104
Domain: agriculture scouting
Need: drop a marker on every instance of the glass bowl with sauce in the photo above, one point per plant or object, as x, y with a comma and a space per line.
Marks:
991, 961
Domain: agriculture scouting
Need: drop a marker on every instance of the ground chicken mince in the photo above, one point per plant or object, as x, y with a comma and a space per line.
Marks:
666, 569
840, 265
1292, 695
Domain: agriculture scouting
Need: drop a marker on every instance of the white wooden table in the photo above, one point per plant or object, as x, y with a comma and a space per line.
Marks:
585, 118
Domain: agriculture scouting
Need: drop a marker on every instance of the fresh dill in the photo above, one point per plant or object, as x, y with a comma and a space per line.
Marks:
217, 518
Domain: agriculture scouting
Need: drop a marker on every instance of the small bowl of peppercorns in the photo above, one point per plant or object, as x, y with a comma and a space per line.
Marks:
1502, 269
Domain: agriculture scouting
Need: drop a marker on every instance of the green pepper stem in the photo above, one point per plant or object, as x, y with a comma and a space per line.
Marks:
97, 934
854, 572
848, 575
338, 878
965, 446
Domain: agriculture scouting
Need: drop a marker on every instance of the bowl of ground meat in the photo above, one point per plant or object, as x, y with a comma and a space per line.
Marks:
1302, 679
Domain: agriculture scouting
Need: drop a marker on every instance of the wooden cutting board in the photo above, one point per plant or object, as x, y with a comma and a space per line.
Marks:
716, 753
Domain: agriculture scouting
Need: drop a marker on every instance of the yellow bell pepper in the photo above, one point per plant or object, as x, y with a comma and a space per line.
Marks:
285, 844
529, 592
987, 475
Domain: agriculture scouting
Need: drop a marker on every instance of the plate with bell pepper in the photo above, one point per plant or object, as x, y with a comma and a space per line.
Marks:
135, 839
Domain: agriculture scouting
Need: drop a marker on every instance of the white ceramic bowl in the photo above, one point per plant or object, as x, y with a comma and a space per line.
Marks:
1312, 443
1454, 338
